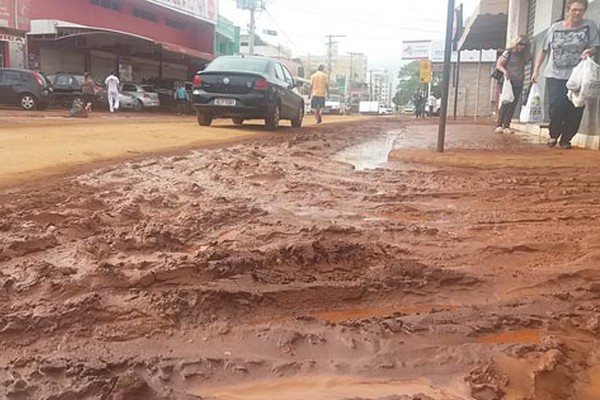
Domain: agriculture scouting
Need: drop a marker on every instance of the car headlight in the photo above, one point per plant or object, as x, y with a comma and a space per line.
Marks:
196, 92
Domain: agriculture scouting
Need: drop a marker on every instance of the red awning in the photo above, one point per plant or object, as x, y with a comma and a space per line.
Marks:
174, 48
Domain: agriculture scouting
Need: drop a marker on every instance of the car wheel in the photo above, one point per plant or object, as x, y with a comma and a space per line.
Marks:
138, 105
272, 121
297, 122
204, 119
238, 121
28, 102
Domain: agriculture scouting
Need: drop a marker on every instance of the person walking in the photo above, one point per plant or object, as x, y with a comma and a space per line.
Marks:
416, 100
182, 99
565, 44
431, 103
319, 87
512, 64
88, 90
112, 92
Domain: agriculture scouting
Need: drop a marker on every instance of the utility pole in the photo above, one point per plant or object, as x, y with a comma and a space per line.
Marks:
252, 6
446, 81
351, 80
330, 44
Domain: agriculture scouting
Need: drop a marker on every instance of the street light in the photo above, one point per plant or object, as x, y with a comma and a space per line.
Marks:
446, 80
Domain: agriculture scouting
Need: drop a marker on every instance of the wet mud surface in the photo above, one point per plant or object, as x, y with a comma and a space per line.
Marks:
276, 270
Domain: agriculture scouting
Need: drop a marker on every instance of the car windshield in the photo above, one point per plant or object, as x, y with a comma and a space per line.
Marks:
149, 89
238, 64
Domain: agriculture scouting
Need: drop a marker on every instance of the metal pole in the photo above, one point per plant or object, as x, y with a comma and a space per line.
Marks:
456, 83
252, 31
446, 80
478, 85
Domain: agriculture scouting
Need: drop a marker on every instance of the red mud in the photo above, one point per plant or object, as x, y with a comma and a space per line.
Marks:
269, 270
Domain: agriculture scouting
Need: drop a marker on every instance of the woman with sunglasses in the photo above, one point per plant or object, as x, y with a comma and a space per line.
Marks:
512, 64
566, 43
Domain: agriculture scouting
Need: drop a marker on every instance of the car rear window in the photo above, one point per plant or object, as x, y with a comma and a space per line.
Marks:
149, 89
238, 64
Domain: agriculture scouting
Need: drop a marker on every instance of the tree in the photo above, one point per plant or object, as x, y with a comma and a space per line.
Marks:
410, 82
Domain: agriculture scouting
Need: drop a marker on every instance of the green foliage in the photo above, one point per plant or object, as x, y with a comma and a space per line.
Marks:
410, 82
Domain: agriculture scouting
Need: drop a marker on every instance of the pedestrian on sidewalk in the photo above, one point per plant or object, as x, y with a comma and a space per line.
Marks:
319, 88
112, 91
512, 64
431, 103
182, 99
566, 43
88, 90
417, 100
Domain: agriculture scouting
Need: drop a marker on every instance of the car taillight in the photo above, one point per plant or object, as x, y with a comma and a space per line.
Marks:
197, 81
146, 95
261, 84
39, 80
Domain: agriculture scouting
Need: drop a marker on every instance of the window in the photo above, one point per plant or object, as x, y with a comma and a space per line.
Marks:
279, 72
110, 4
9, 77
143, 14
235, 64
175, 24
129, 88
287, 75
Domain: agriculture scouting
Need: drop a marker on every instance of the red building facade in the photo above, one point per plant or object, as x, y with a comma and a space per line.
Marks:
14, 25
141, 39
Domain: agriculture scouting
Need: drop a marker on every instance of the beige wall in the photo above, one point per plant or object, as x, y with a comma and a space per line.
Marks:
468, 102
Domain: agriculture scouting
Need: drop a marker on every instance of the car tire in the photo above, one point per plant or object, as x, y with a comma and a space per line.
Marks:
238, 121
297, 122
204, 119
272, 120
138, 106
28, 102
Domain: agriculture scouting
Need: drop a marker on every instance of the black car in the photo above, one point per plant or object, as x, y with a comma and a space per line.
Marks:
67, 89
247, 87
21, 87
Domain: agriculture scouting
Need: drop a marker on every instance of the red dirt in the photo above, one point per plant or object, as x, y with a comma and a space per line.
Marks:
269, 270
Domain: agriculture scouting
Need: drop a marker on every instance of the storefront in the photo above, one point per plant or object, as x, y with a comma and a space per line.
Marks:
14, 25
142, 41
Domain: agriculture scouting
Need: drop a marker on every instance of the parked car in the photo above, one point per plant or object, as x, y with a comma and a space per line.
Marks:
146, 95
67, 89
127, 101
27, 89
334, 105
247, 87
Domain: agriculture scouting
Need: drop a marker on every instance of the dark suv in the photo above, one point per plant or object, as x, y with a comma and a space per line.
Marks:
21, 87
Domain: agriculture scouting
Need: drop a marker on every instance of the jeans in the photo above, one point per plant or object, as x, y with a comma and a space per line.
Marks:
565, 118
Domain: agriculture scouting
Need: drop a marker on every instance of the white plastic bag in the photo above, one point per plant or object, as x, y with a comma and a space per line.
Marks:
532, 111
507, 96
584, 83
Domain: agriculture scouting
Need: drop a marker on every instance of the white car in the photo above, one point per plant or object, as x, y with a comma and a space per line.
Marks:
127, 101
146, 95
334, 105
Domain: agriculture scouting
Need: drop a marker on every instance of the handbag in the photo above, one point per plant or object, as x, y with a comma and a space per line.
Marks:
497, 74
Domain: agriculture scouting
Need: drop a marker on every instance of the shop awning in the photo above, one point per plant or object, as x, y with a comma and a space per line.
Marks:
174, 48
486, 29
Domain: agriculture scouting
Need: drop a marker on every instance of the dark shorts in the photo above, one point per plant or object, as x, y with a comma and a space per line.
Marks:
88, 98
317, 102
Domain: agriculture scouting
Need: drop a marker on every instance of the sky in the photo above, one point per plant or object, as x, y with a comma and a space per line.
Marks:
374, 27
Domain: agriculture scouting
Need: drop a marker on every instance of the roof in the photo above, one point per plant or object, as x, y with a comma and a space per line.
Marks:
486, 29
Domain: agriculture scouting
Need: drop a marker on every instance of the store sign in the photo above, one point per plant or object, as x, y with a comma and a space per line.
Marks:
425, 71
207, 10
11, 38
14, 15
416, 50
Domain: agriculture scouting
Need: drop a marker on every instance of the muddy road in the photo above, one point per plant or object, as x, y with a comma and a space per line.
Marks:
301, 265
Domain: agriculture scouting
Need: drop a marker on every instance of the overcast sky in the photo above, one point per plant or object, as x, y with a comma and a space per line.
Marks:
374, 27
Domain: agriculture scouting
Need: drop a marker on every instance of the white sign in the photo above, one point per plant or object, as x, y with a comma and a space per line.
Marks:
466, 56
416, 50
207, 10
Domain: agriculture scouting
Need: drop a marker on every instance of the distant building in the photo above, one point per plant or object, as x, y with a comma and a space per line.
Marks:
348, 71
14, 25
380, 84
263, 47
227, 37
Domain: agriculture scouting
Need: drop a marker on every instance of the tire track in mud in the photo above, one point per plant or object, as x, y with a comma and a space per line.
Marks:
157, 278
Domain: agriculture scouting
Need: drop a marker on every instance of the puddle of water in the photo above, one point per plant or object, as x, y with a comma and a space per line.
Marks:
330, 388
401, 217
380, 312
524, 336
371, 154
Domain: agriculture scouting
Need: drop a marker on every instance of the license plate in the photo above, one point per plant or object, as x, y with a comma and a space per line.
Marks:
224, 102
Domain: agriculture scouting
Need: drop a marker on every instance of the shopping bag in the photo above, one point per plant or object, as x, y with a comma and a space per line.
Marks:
584, 83
532, 111
507, 96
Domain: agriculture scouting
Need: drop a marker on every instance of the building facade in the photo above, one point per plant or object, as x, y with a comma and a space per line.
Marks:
14, 25
141, 40
348, 71
227, 37
380, 87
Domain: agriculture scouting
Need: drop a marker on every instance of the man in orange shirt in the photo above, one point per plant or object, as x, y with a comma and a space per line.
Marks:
319, 86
